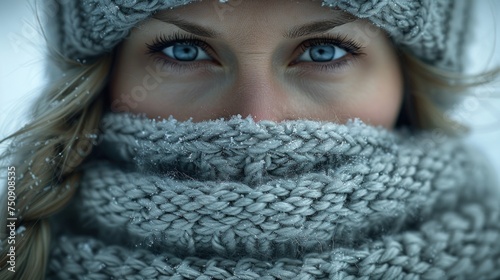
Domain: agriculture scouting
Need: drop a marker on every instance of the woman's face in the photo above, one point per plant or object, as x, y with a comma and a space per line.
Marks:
271, 60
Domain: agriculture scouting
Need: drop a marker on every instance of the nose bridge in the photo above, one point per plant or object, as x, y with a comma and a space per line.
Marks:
258, 93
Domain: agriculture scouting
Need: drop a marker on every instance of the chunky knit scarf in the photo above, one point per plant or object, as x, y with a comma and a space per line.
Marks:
235, 199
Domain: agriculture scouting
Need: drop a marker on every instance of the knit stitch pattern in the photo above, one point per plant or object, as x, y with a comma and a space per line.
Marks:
235, 199
432, 30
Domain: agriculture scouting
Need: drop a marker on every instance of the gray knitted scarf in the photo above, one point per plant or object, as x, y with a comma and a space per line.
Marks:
235, 199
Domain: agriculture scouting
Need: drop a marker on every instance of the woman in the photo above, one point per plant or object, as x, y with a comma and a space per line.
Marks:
256, 140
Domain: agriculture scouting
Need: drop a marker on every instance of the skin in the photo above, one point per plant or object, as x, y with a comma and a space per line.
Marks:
252, 69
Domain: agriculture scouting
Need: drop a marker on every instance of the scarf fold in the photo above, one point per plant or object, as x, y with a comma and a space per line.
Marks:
235, 199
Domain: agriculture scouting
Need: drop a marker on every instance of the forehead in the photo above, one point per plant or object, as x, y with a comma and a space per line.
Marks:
244, 19
262, 13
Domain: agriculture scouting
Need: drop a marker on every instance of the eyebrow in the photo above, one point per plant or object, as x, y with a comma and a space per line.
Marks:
294, 32
317, 27
188, 26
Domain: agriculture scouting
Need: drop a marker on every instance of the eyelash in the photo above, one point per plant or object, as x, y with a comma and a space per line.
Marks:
353, 49
164, 41
161, 42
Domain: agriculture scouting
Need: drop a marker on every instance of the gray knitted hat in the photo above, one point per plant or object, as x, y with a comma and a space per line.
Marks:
432, 30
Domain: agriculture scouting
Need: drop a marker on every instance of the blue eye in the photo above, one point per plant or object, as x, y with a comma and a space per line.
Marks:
185, 52
322, 53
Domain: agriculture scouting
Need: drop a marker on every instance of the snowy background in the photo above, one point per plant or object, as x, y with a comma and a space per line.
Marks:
21, 73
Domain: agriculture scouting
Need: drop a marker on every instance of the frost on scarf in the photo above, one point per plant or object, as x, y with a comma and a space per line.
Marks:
235, 199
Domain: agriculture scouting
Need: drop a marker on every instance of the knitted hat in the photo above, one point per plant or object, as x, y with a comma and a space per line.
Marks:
432, 30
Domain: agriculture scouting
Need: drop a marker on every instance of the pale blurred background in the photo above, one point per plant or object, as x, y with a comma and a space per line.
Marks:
22, 74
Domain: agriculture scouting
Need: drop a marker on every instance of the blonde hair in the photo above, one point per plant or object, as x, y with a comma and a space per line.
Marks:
46, 155
49, 150
433, 90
